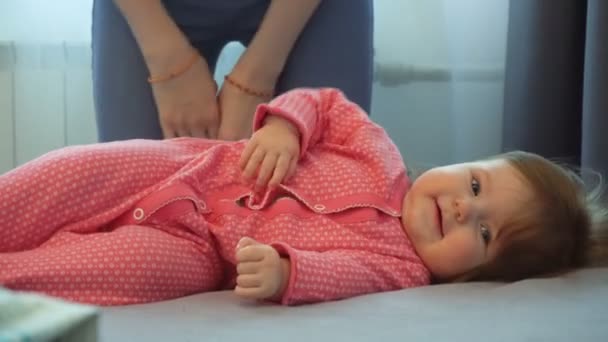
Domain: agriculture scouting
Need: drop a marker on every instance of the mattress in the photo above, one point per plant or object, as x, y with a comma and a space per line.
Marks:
572, 307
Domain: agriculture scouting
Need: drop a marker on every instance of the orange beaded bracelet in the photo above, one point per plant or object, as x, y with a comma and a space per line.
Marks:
177, 72
247, 90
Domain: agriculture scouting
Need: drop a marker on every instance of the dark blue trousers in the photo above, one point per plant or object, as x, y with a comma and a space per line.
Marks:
334, 50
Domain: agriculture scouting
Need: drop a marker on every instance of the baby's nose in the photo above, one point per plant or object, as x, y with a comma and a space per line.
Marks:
463, 210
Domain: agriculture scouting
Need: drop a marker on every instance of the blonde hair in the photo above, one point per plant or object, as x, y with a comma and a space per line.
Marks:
565, 227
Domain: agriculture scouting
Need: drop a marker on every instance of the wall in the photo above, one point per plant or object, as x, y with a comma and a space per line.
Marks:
45, 100
45, 21
438, 122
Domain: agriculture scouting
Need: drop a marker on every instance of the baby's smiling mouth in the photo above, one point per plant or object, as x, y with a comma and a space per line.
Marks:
439, 218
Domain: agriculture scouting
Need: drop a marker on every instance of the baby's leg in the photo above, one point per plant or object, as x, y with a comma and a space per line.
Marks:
73, 184
132, 264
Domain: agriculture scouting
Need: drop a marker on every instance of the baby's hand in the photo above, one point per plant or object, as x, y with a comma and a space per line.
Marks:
262, 273
273, 152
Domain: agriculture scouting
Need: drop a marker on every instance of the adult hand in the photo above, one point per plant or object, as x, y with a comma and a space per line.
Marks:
236, 112
187, 104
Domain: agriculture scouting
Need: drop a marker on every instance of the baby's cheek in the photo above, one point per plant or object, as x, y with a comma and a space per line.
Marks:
465, 254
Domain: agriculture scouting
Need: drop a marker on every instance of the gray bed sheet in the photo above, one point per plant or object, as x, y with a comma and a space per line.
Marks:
572, 307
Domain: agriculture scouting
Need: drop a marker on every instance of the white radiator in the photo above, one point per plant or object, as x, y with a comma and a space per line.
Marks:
45, 99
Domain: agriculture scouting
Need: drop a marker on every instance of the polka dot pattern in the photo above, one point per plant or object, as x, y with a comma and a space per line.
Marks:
330, 259
57, 234
356, 156
130, 265
67, 226
80, 188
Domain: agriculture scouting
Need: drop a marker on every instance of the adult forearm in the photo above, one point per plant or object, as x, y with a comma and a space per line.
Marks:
264, 59
161, 42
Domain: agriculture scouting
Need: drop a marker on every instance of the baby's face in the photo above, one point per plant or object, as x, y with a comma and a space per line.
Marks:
454, 213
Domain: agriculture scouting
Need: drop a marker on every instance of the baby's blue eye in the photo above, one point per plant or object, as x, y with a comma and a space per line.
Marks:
475, 187
486, 235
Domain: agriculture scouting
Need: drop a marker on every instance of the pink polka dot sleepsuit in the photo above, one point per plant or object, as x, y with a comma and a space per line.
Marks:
141, 220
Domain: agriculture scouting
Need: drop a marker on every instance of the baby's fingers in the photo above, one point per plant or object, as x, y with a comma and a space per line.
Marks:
247, 267
249, 292
254, 161
293, 164
248, 281
280, 171
250, 147
268, 166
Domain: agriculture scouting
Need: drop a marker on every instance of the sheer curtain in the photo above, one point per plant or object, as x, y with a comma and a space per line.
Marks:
438, 90
440, 72
557, 79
